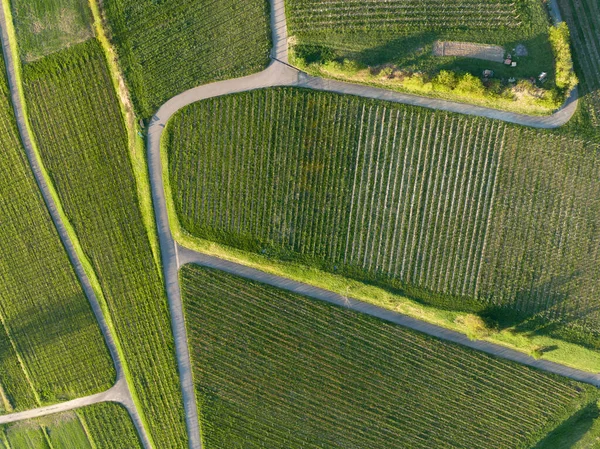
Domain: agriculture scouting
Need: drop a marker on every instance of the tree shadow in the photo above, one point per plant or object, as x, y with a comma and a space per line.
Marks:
572, 430
555, 292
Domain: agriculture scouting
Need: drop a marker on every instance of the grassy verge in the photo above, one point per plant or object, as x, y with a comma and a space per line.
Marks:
563, 352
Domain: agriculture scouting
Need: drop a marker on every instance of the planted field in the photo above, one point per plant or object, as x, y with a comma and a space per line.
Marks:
170, 46
83, 143
46, 26
50, 344
583, 17
275, 369
462, 212
99, 426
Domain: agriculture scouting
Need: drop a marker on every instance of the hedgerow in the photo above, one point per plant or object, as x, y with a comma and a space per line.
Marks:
276, 369
83, 143
461, 212
50, 342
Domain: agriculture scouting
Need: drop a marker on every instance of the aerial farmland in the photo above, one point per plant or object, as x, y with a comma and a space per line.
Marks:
300, 224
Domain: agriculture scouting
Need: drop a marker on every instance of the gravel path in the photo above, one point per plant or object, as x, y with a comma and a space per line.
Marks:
120, 391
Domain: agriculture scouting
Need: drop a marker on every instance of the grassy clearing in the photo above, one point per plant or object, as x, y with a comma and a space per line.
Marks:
170, 46
277, 369
99, 426
390, 44
46, 26
581, 431
458, 212
51, 344
93, 175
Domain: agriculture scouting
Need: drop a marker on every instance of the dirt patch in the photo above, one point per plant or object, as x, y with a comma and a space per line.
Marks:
486, 52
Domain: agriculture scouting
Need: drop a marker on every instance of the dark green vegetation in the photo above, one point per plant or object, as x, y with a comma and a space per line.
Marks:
583, 18
166, 47
80, 132
581, 431
274, 369
46, 26
100, 426
464, 213
51, 348
390, 43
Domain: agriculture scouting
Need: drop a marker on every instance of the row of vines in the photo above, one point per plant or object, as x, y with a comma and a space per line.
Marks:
169, 46
322, 376
51, 348
80, 132
463, 212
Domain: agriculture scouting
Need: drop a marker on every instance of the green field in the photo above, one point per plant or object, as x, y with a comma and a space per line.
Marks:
46, 26
583, 18
459, 212
389, 43
83, 143
274, 369
166, 47
51, 348
99, 426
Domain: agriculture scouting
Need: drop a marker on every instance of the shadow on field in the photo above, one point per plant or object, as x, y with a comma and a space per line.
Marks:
572, 430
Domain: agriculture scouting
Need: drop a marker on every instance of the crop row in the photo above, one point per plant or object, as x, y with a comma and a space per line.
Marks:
448, 208
168, 47
583, 18
78, 125
271, 366
423, 14
51, 345
98, 426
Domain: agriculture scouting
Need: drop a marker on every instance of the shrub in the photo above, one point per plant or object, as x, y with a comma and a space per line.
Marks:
559, 39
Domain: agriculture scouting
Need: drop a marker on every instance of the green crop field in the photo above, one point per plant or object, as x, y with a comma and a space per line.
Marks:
583, 17
275, 369
390, 44
80, 132
99, 426
170, 46
46, 26
465, 213
50, 344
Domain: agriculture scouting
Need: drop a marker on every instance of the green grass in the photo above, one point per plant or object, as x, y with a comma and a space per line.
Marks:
51, 345
83, 144
458, 212
273, 369
398, 37
46, 26
99, 426
170, 46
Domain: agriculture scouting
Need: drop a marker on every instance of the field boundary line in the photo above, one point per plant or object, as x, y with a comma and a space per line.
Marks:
82, 267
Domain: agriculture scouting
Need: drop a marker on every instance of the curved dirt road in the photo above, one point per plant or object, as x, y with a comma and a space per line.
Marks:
120, 392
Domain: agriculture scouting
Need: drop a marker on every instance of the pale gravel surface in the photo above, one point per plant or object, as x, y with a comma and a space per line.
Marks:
280, 73
120, 391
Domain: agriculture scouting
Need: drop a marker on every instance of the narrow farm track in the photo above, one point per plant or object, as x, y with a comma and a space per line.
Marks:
280, 73
120, 391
